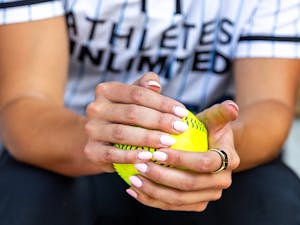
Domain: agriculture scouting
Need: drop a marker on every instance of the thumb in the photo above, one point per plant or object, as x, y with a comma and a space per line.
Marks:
217, 116
150, 81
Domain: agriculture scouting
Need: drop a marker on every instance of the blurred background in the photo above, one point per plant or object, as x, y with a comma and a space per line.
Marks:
292, 145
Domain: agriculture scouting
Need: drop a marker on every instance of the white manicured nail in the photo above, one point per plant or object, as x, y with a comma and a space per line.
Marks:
141, 167
160, 156
145, 155
180, 126
135, 181
132, 193
154, 83
235, 106
167, 140
180, 111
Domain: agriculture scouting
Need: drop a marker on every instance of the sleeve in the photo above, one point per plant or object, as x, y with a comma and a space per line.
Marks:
272, 30
17, 11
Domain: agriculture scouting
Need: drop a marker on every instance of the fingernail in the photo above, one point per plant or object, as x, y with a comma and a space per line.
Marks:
235, 106
180, 111
145, 155
135, 181
141, 167
132, 193
160, 156
180, 126
154, 83
167, 140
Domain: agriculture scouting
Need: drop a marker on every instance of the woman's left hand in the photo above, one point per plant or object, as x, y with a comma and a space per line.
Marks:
191, 189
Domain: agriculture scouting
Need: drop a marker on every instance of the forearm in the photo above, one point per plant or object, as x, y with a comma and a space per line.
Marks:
46, 135
260, 132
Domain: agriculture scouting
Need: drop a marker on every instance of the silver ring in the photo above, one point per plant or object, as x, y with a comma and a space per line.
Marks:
224, 159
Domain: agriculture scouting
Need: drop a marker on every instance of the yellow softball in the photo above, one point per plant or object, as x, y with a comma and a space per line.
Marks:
193, 139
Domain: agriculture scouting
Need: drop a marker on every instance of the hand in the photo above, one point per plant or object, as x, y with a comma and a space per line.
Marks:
130, 114
193, 188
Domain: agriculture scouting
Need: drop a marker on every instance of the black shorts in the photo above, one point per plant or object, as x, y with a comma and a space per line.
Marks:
266, 195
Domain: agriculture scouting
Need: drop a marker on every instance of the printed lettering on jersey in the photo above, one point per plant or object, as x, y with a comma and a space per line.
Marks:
189, 44
140, 40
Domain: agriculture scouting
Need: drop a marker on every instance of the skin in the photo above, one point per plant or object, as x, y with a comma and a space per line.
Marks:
37, 128
270, 91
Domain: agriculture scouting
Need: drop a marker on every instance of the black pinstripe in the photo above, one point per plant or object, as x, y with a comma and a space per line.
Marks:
269, 38
21, 3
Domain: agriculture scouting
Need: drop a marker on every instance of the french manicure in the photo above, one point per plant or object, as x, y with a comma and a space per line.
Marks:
233, 105
132, 193
180, 126
167, 140
154, 83
141, 167
145, 155
135, 181
160, 156
180, 111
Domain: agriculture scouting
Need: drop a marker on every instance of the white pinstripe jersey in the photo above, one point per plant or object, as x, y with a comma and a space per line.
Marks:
189, 43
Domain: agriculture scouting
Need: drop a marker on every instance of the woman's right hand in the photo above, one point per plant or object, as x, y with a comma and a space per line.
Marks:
130, 114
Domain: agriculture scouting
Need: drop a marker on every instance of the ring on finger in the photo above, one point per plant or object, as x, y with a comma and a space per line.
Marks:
224, 159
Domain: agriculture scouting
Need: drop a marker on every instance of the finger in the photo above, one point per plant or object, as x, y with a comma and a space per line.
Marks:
131, 94
184, 180
174, 197
146, 200
149, 80
217, 116
99, 152
131, 114
201, 162
124, 134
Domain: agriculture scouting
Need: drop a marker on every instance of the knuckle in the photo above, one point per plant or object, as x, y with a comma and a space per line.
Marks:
233, 159
164, 104
227, 183
103, 88
224, 183
165, 207
176, 158
89, 128
164, 120
108, 155
93, 109
204, 164
157, 176
88, 151
136, 95
201, 207
173, 199
187, 183
100, 88
118, 133
131, 113
152, 194
216, 196
148, 139
178, 200
235, 162
129, 156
